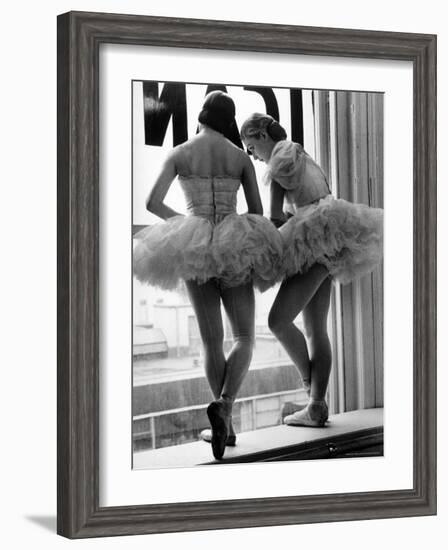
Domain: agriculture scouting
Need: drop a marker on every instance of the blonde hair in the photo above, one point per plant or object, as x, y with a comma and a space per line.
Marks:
259, 123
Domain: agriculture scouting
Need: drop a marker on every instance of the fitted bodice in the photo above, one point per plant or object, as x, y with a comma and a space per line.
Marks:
301, 177
212, 198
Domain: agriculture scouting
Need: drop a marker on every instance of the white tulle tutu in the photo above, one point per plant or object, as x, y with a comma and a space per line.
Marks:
346, 238
238, 249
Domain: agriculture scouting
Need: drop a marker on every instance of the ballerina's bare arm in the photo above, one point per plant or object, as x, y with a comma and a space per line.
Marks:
154, 202
277, 196
249, 182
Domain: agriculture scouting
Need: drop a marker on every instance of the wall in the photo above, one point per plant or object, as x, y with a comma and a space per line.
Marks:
28, 111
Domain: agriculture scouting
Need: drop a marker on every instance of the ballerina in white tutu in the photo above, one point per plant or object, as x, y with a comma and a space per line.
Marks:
324, 239
218, 254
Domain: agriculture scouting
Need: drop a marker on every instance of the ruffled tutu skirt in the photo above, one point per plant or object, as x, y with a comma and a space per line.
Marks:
346, 238
238, 249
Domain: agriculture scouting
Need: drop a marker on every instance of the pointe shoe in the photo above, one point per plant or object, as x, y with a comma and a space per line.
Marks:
206, 435
313, 416
289, 408
219, 421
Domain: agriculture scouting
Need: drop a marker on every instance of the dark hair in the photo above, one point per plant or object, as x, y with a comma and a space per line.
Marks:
258, 123
218, 111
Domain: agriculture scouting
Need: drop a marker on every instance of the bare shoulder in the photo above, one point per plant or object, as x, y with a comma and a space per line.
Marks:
177, 153
246, 162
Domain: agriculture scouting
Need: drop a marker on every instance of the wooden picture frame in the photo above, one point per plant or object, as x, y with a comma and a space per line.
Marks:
79, 38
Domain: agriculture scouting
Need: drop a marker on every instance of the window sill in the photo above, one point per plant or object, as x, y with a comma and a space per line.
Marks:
355, 433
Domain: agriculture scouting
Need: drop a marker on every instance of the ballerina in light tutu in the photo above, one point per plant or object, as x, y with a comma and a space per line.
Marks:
324, 239
217, 253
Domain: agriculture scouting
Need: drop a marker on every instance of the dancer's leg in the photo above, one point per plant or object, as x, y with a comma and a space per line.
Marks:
206, 302
293, 296
315, 317
239, 303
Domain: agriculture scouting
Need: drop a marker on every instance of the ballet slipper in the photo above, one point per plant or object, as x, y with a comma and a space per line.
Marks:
206, 435
219, 421
313, 416
290, 407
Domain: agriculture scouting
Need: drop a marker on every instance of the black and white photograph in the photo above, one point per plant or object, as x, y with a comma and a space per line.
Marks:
257, 294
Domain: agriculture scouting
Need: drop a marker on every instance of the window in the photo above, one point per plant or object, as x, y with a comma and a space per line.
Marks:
170, 392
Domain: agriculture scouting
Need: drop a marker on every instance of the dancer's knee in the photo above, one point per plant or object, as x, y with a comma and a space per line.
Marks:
277, 324
213, 344
245, 341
